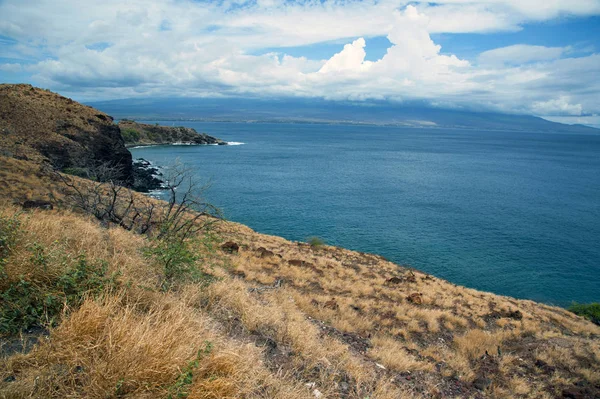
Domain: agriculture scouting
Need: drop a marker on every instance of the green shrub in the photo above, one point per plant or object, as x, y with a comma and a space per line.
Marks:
76, 171
174, 255
315, 242
130, 135
28, 303
180, 390
590, 311
9, 232
179, 258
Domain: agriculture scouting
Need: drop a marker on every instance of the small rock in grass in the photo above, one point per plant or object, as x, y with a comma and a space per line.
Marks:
482, 383
230, 247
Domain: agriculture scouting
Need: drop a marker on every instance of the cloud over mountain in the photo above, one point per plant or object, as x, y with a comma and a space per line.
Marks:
114, 49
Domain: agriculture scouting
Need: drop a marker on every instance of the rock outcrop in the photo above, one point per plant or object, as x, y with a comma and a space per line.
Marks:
44, 127
135, 133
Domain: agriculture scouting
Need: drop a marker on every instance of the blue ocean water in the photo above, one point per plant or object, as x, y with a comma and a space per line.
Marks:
512, 213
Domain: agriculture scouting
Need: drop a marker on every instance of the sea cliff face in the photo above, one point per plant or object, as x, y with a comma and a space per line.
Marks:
135, 134
41, 126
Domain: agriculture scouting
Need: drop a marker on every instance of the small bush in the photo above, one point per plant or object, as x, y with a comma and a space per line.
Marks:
179, 257
315, 242
27, 303
180, 390
130, 135
590, 311
76, 171
9, 231
174, 255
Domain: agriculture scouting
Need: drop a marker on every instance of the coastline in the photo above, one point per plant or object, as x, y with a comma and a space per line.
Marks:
108, 292
144, 145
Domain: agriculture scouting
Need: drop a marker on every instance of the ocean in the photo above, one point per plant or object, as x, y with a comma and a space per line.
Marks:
514, 213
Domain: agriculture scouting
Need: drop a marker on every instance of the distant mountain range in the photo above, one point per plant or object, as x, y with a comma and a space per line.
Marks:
323, 111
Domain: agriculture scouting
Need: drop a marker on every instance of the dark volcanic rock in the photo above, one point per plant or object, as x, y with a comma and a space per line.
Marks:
575, 393
146, 176
393, 280
416, 298
509, 314
264, 253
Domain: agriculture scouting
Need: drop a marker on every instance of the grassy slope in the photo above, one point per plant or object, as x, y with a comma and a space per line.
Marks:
281, 316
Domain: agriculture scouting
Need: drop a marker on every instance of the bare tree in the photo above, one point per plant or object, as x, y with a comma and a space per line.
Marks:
183, 214
186, 213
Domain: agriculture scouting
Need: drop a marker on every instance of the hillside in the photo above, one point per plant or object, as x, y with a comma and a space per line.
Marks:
42, 126
125, 304
135, 134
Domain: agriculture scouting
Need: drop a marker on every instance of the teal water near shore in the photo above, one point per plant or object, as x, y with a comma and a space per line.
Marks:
509, 212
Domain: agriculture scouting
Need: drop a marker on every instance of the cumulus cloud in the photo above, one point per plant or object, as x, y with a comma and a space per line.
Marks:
351, 58
116, 49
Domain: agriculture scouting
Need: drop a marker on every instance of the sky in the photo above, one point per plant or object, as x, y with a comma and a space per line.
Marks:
539, 57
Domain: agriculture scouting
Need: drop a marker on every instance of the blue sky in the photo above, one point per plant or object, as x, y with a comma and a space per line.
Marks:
519, 56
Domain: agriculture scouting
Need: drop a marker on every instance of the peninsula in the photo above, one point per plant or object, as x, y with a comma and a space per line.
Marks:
141, 134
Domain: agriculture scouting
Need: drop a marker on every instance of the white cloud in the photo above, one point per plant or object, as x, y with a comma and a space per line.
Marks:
351, 58
188, 48
557, 106
462, 16
520, 54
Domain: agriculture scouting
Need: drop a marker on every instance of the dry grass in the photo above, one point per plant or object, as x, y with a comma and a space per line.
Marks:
292, 315
452, 326
141, 342
109, 347
393, 355
64, 236
21, 180
476, 343
301, 350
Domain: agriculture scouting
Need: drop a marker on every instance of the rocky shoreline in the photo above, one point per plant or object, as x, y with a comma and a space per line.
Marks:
147, 177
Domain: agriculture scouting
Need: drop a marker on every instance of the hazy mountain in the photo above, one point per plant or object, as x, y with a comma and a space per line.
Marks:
323, 111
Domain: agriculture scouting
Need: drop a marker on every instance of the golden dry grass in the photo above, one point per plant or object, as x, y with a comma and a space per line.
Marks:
452, 327
110, 348
282, 316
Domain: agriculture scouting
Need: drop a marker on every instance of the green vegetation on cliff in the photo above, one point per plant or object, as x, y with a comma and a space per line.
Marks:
590, 311
135, 133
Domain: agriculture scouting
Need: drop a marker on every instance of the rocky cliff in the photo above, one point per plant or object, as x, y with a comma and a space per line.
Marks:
144, 134
41, 126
